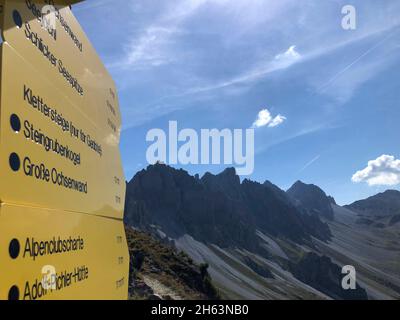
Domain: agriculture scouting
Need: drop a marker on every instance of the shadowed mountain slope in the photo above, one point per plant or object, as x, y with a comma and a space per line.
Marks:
261, 242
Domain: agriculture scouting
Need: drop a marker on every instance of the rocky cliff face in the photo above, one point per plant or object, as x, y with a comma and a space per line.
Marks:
216, 208
160, 272
312, 199
259, 241
380, 205
181, 204
320, 273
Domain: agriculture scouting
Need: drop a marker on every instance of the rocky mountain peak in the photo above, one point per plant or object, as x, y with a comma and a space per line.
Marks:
227, 182
313, 198
383, 204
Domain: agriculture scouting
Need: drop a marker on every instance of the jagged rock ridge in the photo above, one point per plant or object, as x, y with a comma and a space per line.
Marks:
265, 236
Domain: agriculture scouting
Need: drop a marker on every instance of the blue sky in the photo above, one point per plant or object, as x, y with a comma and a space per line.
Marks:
218, 63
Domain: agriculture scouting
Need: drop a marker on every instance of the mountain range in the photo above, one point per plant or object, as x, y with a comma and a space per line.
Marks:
261, 242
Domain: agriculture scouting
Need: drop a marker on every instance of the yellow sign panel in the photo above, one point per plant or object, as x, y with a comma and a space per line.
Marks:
57, 255
62, 187
48, 147
65, 55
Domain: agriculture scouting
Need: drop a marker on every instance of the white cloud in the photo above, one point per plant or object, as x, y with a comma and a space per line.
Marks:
280, 62
279, 119
384, 171
147, 50
265, 118
342, 90
288, 57
152, 47
197, 41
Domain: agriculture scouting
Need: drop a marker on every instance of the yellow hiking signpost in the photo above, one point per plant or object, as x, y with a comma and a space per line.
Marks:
88, 254
62, 187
